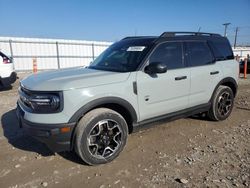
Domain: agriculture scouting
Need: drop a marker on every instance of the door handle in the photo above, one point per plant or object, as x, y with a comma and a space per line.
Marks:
180, 78
146, 98
214, 72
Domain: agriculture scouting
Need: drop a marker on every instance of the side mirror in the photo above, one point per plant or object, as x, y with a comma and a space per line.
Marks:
156, 67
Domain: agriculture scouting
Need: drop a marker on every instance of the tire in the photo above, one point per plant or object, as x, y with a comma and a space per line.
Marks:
222, 104
101, 135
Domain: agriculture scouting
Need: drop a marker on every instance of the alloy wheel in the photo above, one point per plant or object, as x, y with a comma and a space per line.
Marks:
104, 138
224, 103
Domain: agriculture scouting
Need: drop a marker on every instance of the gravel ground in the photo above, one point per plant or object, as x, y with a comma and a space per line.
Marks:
188, 152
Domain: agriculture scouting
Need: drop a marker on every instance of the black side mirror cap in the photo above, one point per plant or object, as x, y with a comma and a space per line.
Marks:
155, 67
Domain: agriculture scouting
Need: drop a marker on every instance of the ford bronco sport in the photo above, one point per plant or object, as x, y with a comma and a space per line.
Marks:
136, 81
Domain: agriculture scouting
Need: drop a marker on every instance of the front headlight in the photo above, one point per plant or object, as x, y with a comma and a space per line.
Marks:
45, 102
41, 102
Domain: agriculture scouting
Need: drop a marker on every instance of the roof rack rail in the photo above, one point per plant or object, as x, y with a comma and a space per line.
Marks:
134, 37
172, 34
130, 37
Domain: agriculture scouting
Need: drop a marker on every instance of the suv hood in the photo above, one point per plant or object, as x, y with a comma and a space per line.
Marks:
71, 78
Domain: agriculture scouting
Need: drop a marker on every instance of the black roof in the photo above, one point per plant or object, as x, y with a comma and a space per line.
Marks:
187, 33
175, 36
139, 40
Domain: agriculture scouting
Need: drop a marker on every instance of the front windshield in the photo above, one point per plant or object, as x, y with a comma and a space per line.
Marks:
123, 56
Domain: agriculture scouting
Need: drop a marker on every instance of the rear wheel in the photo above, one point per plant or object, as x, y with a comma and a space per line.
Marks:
100, 136
222, 104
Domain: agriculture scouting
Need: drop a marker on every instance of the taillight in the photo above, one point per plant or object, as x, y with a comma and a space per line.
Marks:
6, 61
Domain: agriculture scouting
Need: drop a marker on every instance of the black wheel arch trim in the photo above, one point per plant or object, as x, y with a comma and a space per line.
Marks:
226, 80
104, 101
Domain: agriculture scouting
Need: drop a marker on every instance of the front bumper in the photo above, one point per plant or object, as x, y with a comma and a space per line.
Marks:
50, 134
9, 80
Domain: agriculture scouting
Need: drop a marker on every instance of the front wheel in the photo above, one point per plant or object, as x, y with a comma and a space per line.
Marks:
222, 104
101, 135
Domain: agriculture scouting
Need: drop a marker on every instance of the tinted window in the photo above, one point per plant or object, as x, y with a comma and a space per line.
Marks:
222, 49
3, 56
169, 53
198, 53
123, 56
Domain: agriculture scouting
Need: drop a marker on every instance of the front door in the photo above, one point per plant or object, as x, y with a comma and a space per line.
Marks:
160, 94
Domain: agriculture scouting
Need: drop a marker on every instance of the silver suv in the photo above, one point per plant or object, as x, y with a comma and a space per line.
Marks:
136, 81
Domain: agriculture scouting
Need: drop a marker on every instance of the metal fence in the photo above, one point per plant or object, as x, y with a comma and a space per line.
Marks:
241, 52
56, 54
51, 53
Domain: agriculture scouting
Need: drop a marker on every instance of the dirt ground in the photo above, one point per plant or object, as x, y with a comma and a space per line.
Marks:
188, 152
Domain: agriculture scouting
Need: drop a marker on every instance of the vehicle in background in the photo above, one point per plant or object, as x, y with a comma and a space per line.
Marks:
242, 62
7, 73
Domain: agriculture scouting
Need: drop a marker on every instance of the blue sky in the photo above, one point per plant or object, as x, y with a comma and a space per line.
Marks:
110, 20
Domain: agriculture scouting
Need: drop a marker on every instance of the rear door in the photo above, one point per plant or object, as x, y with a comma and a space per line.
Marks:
205, 73
168, 92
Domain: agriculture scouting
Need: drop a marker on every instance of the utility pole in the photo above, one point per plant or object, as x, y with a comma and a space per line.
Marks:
226, 25
235, 38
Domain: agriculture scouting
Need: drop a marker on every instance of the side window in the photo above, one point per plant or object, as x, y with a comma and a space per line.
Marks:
198, 53
222, 49
169, 53
3, 57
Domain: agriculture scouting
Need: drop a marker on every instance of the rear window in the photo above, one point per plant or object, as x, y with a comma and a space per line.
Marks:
5, 59
3, 56
221, 49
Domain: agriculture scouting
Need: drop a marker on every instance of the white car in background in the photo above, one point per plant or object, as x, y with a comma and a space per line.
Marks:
7, 73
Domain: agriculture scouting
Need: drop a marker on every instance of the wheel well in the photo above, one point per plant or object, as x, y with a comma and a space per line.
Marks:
231, 85
118, 108
121, 110
230, 82
125, 113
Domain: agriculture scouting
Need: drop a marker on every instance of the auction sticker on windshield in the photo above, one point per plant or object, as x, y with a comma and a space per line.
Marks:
136, 48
